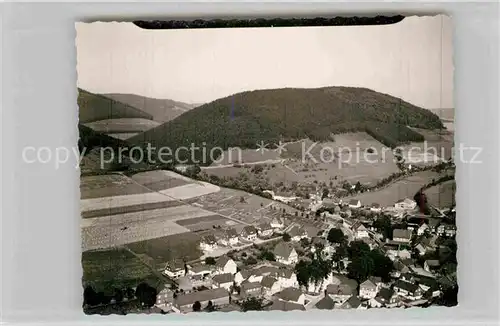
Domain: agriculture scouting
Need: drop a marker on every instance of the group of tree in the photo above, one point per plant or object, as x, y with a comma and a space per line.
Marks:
336, 236
208, 308
313, 271
252, 304
210, 261
366, 262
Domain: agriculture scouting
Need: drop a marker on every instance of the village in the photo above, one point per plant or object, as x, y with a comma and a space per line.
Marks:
335, 255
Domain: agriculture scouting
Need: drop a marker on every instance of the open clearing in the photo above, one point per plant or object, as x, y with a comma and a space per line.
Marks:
438, 145
407, 187
161, 250
345, 158
442, 195
159, 180
122, 125
115, 267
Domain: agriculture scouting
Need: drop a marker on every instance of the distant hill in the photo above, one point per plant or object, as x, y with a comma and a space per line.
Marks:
162, 110
247, 118
95, 107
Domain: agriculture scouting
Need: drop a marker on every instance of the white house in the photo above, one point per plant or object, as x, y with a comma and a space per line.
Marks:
270, 285
285, 254
407, 290
241, 276
431, 264
405, 204
277, 224
359, 230
287, 278
354, 203
225, 265
448, 230
401, 235
201, 270
368, 290
265, 230
249, 233
230, 237
222, 281
291, 294
174, 269
208, 243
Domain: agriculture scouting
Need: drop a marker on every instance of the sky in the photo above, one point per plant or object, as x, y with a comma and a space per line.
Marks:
412, 60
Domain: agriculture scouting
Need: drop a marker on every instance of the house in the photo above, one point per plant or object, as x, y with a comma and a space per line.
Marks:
225, 265
311, 231
387, 297
270, 285
297, 233
431, 265
285, 253
352, 303
359, 230
370, 242
257, 274
242, 276
222, 281
339, 292
277, 224
184, 302
375, 208
208, 243
423, 229
407, 290
250, 289
229, 238
201, 270
401, 235
326, 303
287, 278
368, 290
279, 305
164, 299
175, 269
249, 233
375, 303
405, 204
425, 244
265, 230
291, 295
354, 203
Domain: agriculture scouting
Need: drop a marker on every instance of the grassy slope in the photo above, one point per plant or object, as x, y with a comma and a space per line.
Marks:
162, 110
269, 115
95, 107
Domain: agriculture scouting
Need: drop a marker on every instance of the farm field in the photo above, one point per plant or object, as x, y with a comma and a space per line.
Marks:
442, 195
159, 180
108, 185
247, 156
198, 224
116, 230
407, 187
107, 269
439, 144
161, 250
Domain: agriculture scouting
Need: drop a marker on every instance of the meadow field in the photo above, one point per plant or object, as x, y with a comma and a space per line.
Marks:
442, 195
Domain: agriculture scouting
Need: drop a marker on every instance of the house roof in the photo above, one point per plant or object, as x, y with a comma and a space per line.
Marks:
285, 273
326, 303
200, 268
285, 306
276, 221
264, 270
407, 286
174, 265
264, 226
375, 205
311, 231
231, 233
401, 233
368, 284
248, 230
354, 202
432, 263
206, 295
353, 284
352, 302
385, 294
283, 250
223, 278
375, 279
289, 294
268, 281
406, 201
222, 261
296, 231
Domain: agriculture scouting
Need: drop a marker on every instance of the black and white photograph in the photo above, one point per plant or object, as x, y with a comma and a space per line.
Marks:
267, 168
